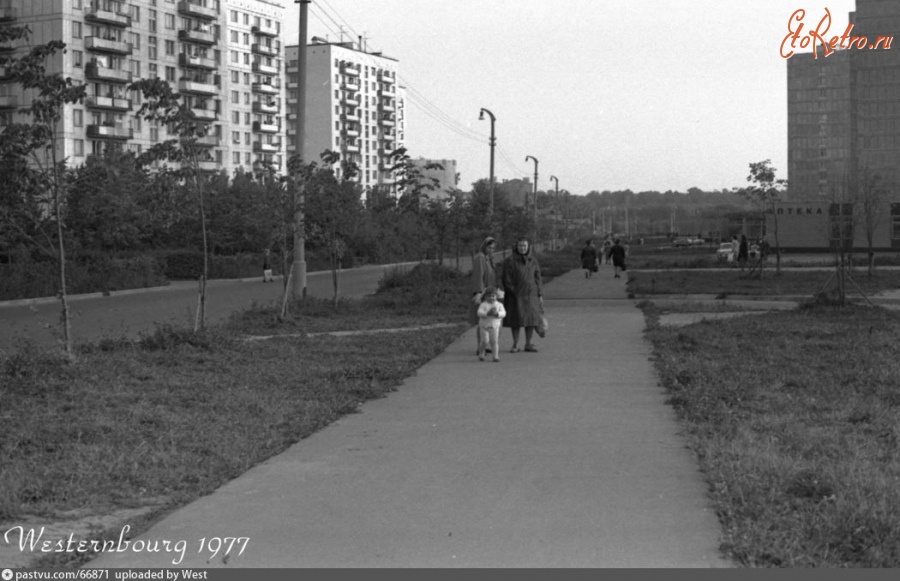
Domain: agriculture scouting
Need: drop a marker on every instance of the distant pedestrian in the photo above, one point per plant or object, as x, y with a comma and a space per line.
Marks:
490, 316
617, 253
606, 246
484, 275
267, 268
743, 254
524, 301
589, 259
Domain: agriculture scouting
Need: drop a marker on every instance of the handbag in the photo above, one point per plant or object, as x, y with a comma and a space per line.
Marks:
542, 326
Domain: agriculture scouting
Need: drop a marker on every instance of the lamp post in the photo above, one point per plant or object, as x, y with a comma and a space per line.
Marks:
493, 143
534, 159
556, 179
299, 266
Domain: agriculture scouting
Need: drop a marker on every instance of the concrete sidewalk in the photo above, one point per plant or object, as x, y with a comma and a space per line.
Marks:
569, 457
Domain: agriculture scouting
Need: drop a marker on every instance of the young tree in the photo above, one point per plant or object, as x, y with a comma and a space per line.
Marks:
33, 149
163, 106
765, 191
872, 196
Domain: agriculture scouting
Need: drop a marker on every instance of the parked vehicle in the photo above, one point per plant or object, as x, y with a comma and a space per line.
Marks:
681, 242
725, 253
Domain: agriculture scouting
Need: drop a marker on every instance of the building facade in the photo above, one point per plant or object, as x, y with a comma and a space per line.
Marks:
354, 106
843, 131
224, 56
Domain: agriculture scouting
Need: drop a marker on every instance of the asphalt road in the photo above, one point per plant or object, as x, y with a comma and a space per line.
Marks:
129, 313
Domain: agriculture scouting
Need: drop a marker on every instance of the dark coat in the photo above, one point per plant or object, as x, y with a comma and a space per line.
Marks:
617, 252
484, 274
521, 281
588, 257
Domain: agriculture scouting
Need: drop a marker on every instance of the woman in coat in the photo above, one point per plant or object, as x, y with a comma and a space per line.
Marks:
589, 258
524, 301
483, 276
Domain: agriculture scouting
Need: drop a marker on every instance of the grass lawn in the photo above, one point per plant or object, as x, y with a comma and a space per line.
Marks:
796, 420
166, 419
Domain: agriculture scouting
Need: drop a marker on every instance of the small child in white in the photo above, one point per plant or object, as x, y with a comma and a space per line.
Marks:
490, 315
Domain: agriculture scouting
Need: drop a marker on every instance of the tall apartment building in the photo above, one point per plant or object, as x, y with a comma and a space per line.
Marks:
844, 122
354, 106
223, 56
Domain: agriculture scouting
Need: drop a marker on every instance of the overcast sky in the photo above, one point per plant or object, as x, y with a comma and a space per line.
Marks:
606, 94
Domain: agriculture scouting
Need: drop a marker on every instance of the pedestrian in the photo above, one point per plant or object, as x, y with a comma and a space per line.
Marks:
606, 246
617, 253
524, 300
490, 315
267, 268
743, 254
589, 259
484, 275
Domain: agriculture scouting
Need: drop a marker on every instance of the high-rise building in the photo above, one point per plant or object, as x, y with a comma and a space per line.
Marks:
224, 56
844, 130
354, 106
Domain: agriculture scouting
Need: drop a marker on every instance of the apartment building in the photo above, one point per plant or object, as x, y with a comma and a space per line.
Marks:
224, 56
354, 106
844, 124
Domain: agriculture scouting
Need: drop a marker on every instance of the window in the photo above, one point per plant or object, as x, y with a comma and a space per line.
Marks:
236, 117
234, 36
235, 97
246, 39
246, 58
246, 98
170, 47
234, 16
135, 40
235, 76
78, 118
152, 20
236, 158
151, 48
170, 21
247, 156
236, 137
136, 68
246, 19
246, 78
841, 221
170, 74
135, 13
152, 71
247, 119
77, 57
247, 139
79, 148
235, 57
76, 29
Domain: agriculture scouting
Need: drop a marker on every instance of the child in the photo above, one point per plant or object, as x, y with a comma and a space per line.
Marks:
490, 314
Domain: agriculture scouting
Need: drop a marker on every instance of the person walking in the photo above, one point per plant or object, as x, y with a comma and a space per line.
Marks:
617, 253
743, 255
589, 259
484, 275
267, 267
523, 299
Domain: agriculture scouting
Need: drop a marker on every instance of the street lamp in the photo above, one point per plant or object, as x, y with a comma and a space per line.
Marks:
493, 143
298, 268
534, 159
556, 179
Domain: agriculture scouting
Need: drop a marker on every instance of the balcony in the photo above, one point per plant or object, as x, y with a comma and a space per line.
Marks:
262, 127
197, 10
350, 132
260, 147
387, 106
94, 72
197, 62
197, 35
264, 164
350, 117
107, 132
387, 122
351, 85
110, 103
97, 44
352, 101
9, 102
350, 69
259, 48
264, 30
208, 165
265, 88
350, 148
209, 141
263, 69
108, 17
197, 87
386, 92
263, 107
204, 114
387, 80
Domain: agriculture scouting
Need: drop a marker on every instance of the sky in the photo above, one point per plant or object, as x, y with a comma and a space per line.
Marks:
606, 94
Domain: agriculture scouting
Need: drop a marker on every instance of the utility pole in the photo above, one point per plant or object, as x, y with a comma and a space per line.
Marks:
534, 159
299, 267
493, 144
